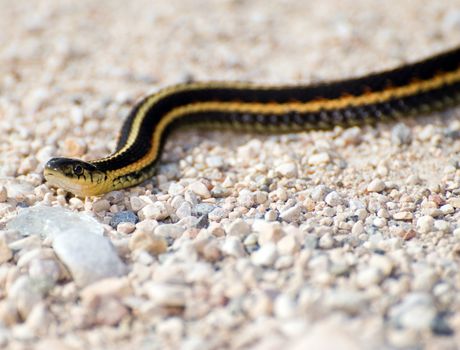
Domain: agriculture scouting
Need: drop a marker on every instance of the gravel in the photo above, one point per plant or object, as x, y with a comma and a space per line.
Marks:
327, 239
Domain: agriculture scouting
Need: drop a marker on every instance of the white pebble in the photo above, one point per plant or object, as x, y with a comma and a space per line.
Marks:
291, 214
376, 185
320, 158
288, 170
156, 211
288, 245
357, 228
200, 189
265, 255
333, 199
425, 224
238, 228
166, 294
233, 247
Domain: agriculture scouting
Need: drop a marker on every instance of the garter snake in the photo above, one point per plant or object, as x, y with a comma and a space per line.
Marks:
428, 85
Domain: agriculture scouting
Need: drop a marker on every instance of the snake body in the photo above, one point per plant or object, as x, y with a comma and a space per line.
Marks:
421, 87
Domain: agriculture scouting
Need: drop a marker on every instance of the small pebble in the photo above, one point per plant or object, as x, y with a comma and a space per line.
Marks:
123, 216
150, 243
376, 185
155, 211
320, 158
333, 199
291, 214
238, 228
233, 247
425, 224
169, 230
200, 189
288, 170
265, 255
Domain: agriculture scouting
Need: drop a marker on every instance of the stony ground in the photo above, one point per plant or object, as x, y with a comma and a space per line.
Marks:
342, 239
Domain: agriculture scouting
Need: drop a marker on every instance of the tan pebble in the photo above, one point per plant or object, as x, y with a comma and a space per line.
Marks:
376, 185
455, 202
357, 228
3, 194
147, 226
268, 231
5, 252
320, 158
169, 230
288, 245
8, 313
407, 234
156, 211
74, 147
101, 205
211, 251
152, 244
403, 215
40, 319
281, 194
271, 215
260, 197
108, 312
216, 229
136, 203
200, 189
126, 227
27, 165
238, 228
108, 287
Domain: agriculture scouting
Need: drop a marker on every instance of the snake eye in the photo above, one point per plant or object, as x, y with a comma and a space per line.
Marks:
78, 169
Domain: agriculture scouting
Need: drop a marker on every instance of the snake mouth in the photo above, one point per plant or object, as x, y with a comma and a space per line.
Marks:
56, 179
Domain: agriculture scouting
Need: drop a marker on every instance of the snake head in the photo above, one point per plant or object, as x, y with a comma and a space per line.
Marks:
76, 176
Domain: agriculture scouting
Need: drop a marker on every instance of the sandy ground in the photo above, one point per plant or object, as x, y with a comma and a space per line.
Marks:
345, 238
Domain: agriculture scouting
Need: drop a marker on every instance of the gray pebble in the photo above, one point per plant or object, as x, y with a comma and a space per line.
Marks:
123, 216
203, 221
416, 311
203, 209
